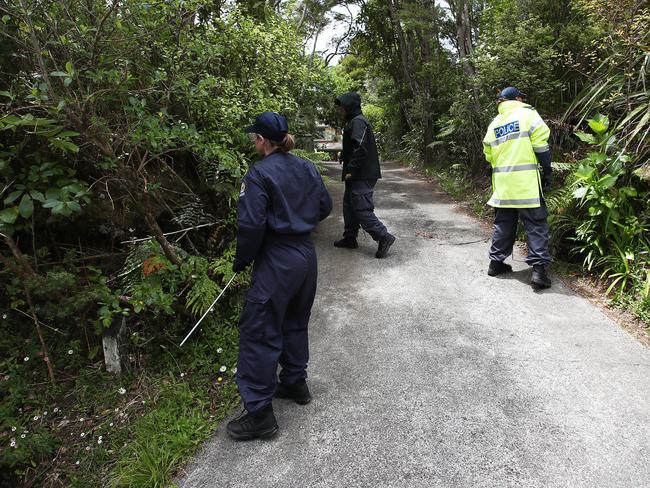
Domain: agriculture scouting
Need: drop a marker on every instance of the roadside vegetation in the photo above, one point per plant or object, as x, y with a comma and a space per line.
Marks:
584, 65
121, 156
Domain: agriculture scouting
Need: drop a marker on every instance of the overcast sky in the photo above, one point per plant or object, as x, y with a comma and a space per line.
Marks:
333, 30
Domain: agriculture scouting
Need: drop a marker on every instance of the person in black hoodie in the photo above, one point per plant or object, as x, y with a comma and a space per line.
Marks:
360, 174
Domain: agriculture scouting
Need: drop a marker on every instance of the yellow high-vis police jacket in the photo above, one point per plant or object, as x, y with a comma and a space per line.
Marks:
510, 144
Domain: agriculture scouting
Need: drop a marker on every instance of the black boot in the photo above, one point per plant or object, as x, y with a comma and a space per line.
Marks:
498, 267
298, 392
540, 278
250, 425
384, 246
349, 242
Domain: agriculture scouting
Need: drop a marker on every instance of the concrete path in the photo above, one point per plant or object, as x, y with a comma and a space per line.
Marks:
428, 373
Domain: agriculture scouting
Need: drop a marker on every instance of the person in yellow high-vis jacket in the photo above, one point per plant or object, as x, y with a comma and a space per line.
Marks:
516, 145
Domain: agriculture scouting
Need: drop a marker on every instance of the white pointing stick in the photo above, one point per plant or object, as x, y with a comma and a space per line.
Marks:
208, 310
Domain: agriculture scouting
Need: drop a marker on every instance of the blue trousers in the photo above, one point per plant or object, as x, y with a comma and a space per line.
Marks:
505, 230
358, 210
273, 323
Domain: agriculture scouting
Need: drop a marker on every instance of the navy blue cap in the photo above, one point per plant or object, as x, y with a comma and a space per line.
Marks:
510, 93
269, 125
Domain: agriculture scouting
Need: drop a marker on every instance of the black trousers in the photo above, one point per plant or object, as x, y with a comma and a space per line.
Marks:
505, 229
358, 210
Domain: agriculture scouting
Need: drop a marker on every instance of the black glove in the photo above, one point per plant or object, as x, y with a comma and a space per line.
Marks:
238, 266
547, 180
544, 159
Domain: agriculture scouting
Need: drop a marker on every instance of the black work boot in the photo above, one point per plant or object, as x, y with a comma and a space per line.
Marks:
540, 278
349, 242
298, 392
384, 246
498, 267
250, 425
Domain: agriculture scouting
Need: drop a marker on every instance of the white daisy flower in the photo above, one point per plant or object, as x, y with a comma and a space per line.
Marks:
223, 369
26, 358
121, 391
220, 350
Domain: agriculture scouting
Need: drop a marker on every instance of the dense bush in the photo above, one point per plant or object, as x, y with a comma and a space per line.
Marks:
121, 151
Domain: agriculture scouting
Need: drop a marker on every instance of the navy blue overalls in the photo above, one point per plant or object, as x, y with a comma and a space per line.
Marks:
282, 200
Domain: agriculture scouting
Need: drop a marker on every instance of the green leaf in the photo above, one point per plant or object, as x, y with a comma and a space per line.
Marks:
584, 171
13, 196
26, 206
51, 203
599, 123
584, 137
59, 208
37, 195
607, 181
5, 93
9, 215
69, 68
67, 81
65, 145
61, 74
74, 206
67, 133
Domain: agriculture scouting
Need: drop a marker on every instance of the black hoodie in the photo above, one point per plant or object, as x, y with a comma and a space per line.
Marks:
359, 155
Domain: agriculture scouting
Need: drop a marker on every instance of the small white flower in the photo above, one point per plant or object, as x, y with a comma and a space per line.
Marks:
131, 230
77, 463
83, 434
182, 374
4, 316
36, 417
99, 441
22, 436
121, 391
87, 448
81, 419
70, 351
56, 409
111, 424
45, 413
222, 369
117, 409
13, 429
101, 437
234, 370
143, 402
220, 350
26, 358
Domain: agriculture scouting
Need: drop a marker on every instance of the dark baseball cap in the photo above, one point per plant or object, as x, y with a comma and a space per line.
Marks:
510, 93
269, 125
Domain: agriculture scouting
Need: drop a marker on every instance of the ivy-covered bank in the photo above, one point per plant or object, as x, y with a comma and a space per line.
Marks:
121, 152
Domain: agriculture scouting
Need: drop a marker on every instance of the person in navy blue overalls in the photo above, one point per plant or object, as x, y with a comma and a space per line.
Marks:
282, 199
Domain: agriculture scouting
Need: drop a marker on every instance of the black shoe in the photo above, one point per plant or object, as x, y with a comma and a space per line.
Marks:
251, 425
540, 278
498, 267
348, 242
384, 246
298, 392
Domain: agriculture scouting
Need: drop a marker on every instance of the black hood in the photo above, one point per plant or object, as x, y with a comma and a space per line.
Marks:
351, 102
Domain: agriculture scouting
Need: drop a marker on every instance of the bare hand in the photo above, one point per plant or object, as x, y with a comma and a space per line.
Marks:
348, 176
